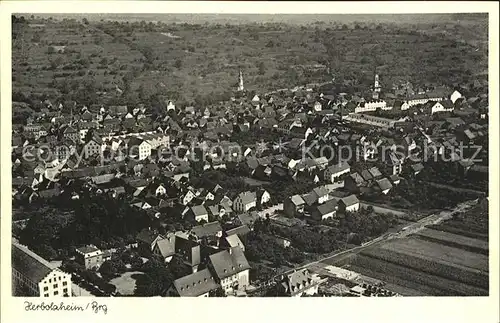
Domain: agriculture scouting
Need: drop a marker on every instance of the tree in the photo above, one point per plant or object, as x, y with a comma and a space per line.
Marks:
156, 280
85, 21
111, 268
262, 68
178, 63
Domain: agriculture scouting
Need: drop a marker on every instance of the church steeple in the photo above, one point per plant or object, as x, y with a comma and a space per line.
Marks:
241, 88
376, 87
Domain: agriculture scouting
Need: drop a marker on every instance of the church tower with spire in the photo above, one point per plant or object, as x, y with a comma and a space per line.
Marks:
376, 87
241, 88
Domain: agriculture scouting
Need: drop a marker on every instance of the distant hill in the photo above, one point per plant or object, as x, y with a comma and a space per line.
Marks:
279, 18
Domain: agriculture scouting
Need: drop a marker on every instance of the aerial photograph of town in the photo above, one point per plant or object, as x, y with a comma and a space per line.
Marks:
250, 155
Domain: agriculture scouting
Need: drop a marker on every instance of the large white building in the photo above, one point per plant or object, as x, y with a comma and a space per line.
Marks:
371, 106
34, 276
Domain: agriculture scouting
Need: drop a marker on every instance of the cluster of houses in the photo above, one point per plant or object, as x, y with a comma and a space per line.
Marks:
125, 151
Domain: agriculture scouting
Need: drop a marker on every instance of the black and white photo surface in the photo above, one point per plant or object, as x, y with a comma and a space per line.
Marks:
222, 155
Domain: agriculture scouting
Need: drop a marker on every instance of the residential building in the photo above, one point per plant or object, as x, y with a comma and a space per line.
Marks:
165, 248
432, 107
211, 231
231, 269
334, 172
199, 213
321, 194
34, 276
139, 148
146, 240
93, 147
349, 203
325, 211
198, 284
245, 201
298, 283
455, 96
89, 256
294, 206
188, 251
384, 185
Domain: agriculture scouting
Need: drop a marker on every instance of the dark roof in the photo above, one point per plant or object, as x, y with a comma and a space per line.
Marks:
247, 197
375, 172
166, 246
248, 218
30, 264
350, 200
147, 236
366, 175
320, 191
384, 184
309, 198
357, 178
394, 178
327, 207
195, 284
199, 210
340, 167
240, 231
207, 229
229, 262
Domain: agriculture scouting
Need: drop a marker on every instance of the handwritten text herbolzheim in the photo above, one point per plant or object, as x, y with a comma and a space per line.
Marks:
61, 306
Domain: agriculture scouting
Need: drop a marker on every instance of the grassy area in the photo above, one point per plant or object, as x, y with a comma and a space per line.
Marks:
455, 240
125, 284
439, 252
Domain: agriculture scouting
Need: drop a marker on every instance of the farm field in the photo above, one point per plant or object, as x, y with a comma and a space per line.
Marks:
448, 260
454, 240
438, 252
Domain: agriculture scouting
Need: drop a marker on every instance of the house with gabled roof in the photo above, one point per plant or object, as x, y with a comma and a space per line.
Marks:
212, 231
198, 284
298, 283
34, 276
384, 185
294, 205
198, 213
165, 248
325, 211
146, 239
245, 201
334, 172
189, 251
231, 241
375, 172
349, 203
231, 269
321, 194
